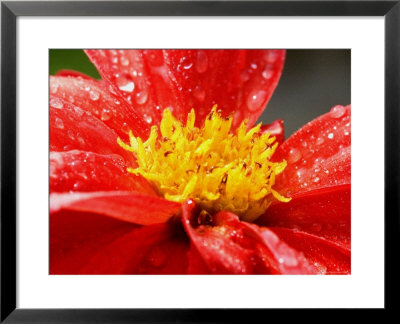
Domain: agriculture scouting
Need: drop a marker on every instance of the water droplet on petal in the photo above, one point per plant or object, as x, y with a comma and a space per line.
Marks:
78, 185
141, 97
337, 111
125, 128
267, 74
244, 76
256, 99
56, 103
320, 140
300, 173
199, 93
148, 119
201, 62
330, 135
124, 61
253, 66
94, 95
105, 114
125, 84
59, 123
294, 155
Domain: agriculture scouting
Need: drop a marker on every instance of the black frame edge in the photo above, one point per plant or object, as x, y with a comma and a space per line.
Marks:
392, 151
8, 161
9, 313
202, 8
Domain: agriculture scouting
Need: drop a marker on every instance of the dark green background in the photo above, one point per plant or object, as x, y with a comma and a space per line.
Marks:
312, 82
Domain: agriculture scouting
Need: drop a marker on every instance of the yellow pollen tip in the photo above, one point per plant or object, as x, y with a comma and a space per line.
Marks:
219, 169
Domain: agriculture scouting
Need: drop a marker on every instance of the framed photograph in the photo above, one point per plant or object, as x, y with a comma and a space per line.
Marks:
187, 155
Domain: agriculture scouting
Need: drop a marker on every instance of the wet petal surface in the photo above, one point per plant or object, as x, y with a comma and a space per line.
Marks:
127, 206
86, 171
318, 154
240, 81
229, 246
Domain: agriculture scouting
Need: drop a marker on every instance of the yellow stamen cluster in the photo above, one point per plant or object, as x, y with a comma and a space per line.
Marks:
218, 169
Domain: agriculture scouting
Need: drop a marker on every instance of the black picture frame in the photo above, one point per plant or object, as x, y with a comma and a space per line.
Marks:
10, 10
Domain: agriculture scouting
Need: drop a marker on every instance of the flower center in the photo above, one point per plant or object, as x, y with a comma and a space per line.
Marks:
215, 167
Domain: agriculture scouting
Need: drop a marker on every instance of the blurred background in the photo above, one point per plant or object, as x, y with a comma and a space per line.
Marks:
312, 82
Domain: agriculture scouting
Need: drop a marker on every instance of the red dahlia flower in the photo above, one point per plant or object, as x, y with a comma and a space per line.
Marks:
142, 184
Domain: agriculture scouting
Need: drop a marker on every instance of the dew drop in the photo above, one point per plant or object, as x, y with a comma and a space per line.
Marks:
271, 56
187, 65
346, 133
320, 140
253, 66
141, 97
267, 74
201, 62
337, 111
330, 135
78, 185
125, 84
300, 173
244, 76
56, 103
199, 93
316, 179
59, 123
256, 99
124, 61
94, 95
148, 119
294, 155
105, 114
125, 128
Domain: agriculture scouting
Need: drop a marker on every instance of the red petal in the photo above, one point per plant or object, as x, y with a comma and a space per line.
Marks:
233, 247
151, 80
72, 73
275, 129
328, 257
127, 206
72, 128
324, 212
96, 98
196, 264
86, 171
318, 154
155, 249
75, 237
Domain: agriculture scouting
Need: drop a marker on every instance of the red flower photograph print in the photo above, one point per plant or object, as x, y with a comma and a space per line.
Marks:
160, 165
